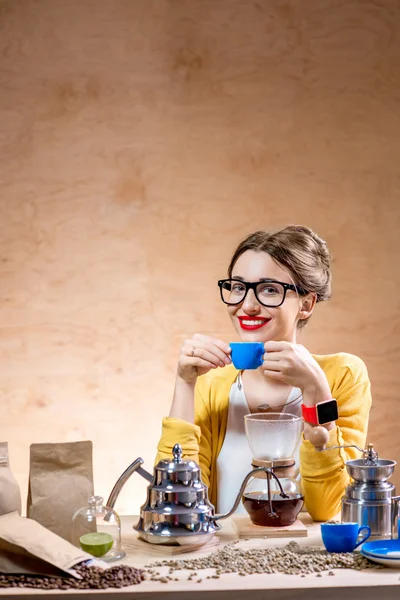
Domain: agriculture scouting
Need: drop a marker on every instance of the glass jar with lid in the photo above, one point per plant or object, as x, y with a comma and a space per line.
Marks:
96, 529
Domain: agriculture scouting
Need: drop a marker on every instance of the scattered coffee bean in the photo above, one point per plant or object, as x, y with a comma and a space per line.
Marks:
93, 578
291, 559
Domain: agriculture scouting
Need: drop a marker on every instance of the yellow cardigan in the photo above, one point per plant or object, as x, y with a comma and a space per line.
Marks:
323, 474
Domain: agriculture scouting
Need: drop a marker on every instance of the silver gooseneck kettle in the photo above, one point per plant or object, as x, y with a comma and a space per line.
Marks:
177, 510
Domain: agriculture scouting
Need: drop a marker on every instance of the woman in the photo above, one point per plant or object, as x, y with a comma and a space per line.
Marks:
291, 270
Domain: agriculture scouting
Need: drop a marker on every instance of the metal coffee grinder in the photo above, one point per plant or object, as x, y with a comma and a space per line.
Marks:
370, 499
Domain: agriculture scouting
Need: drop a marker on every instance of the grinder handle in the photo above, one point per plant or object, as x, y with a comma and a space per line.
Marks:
344, 446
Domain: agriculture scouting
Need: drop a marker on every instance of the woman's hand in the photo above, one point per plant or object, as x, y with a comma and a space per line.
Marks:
199, 355
294, 365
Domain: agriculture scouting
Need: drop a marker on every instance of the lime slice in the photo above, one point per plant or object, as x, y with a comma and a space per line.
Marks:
96, 544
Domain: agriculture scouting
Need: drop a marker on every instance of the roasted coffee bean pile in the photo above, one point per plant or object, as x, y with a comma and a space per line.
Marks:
291, 559
93, 578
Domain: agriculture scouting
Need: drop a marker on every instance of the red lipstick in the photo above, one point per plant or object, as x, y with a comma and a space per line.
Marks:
258, 322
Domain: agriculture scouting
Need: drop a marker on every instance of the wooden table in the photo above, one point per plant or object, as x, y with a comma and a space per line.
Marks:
346, 585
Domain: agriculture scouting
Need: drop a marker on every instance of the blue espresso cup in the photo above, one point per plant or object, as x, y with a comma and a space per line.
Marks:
247, 355
342, 537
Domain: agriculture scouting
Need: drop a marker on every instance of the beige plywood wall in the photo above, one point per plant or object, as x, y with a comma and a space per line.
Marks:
139, 142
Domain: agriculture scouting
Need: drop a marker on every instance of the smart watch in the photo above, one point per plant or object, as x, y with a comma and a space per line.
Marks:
323, 412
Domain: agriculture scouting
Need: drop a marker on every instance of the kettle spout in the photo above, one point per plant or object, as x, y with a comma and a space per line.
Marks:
135, 466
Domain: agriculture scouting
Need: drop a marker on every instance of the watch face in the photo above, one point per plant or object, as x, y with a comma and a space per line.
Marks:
327, 411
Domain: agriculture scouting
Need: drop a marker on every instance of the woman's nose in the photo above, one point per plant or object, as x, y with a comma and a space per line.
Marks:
250, 303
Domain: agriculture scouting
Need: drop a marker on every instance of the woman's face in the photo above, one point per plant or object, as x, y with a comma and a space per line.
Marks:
253, 321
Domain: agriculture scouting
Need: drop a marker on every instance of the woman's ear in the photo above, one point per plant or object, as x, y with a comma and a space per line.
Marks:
307, 306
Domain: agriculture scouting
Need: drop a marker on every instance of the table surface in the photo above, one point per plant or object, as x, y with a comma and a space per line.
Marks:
374, 584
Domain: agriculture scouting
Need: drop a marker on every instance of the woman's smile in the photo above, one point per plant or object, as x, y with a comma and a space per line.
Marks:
251, 323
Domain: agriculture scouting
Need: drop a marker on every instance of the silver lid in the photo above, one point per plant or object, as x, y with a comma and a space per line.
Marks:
177, 464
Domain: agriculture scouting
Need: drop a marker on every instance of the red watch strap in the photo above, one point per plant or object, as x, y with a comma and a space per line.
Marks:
310, 414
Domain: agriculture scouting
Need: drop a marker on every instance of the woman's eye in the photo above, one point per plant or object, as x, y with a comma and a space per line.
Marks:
237, 288
269, 290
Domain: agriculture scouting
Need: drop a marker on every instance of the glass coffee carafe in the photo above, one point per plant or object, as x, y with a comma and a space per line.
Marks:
273, 498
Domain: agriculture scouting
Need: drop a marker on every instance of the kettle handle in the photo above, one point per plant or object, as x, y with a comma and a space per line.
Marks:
135, 466
269, 474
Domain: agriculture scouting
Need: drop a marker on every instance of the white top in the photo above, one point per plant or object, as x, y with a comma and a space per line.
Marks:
234, 460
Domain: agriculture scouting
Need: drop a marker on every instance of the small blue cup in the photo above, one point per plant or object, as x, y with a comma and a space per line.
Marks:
247, 355
342, 537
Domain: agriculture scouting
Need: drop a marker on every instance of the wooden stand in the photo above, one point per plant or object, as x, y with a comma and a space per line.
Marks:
136, 544
246, 529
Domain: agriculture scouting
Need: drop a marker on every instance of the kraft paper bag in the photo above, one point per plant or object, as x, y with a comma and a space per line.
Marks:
26, 547
60, 483
10, 495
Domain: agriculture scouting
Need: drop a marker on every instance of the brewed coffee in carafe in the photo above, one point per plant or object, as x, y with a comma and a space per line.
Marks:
273, 499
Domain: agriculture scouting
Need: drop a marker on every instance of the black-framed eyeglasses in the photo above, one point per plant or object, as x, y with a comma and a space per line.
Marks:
268, 292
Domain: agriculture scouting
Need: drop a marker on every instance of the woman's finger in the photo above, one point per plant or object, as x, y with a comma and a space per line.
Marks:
274, 356
197, 345
226, 349
189, 356
274, 374
203, 364
271, 366
207, 340
211, 355
218, 352
277, 346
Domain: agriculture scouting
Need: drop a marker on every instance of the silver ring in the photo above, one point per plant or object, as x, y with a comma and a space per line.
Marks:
193, 349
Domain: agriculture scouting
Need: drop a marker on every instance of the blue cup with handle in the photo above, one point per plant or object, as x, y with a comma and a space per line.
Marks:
343, 537
247, 355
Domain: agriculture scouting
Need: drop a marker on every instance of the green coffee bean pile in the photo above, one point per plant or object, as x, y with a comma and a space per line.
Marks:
291, 559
